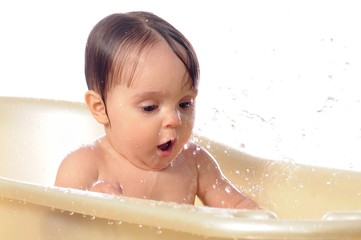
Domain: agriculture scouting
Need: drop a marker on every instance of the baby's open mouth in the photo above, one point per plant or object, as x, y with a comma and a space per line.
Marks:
165, 146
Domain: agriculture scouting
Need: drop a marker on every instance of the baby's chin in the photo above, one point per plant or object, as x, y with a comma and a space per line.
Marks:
159, 162
155, 165
161, 166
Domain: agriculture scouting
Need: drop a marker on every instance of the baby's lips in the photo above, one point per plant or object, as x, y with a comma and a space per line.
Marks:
165, 146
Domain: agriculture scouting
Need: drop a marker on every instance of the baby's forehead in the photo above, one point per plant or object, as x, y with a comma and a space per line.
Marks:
139, 80
128, 64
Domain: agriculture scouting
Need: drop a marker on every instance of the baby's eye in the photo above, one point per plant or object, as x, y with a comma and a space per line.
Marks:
149, 108
186, 104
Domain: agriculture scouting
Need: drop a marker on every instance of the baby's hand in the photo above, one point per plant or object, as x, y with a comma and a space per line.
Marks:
107, 187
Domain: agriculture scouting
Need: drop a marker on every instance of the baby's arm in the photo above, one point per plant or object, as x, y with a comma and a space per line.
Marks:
214, 189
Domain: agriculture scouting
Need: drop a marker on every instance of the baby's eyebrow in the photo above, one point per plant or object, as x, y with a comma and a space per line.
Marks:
149, 94
195, 92
152, 94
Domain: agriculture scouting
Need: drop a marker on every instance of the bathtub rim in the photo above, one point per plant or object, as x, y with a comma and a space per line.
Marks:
199, 220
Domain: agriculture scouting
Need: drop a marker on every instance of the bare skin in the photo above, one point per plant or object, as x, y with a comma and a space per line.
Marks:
145, 152
193, 173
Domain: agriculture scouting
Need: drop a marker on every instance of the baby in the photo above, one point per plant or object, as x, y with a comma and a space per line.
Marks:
142, 76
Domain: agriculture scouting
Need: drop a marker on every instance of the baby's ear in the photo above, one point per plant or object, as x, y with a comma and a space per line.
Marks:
96, 106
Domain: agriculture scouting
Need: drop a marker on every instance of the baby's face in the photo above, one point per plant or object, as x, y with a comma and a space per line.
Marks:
152, 119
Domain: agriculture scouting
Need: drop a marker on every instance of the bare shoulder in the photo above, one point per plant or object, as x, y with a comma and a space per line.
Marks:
85, 157
200, 154
79, 169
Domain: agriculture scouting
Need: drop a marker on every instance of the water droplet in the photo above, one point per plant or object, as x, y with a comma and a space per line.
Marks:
71, 213
142, 181
228, 189
159, 230
140, 225
92, 217
237, 172
119, 222
110, 222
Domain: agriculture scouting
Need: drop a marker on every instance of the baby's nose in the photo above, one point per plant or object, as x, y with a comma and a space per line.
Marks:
173, 119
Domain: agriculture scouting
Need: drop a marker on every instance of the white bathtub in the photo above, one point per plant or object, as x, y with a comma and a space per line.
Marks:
303, 202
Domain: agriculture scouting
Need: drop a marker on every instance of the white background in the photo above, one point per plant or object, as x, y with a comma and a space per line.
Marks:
279, 79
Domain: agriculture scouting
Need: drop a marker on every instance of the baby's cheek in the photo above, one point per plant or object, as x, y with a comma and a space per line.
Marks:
106, 187
189, 122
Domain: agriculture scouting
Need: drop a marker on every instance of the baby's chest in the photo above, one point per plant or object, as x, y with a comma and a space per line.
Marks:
180, 188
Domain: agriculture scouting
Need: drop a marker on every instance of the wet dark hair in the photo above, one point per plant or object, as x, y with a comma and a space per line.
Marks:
115, 43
